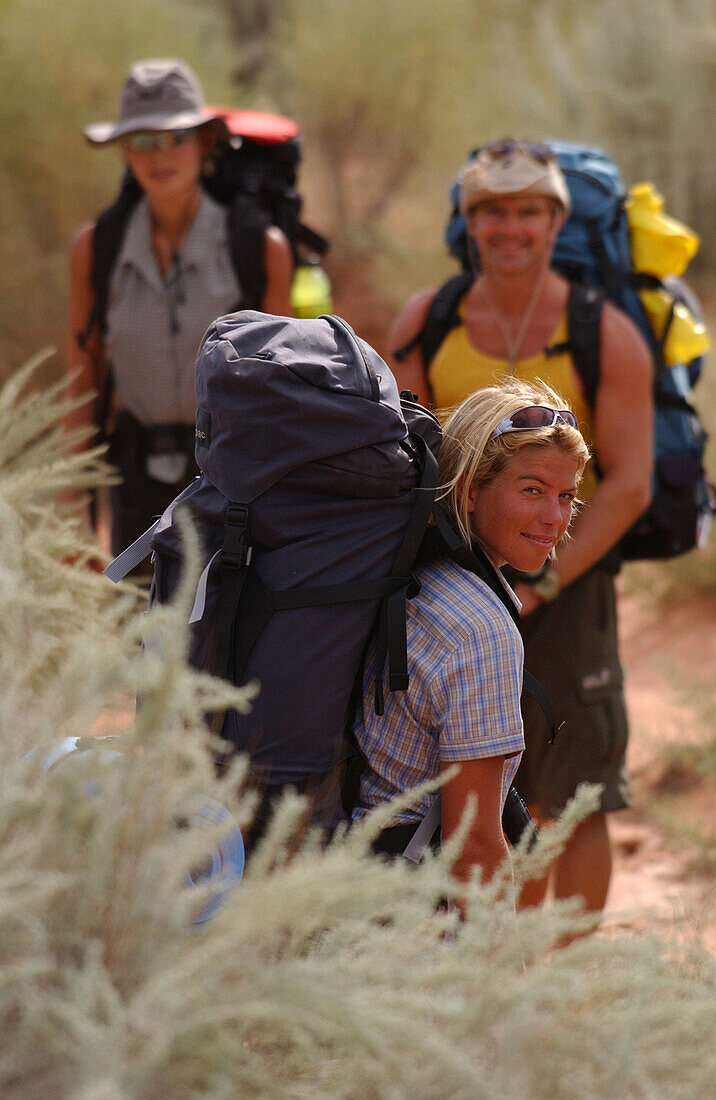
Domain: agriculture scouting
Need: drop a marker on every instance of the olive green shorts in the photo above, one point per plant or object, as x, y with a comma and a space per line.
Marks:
571, 648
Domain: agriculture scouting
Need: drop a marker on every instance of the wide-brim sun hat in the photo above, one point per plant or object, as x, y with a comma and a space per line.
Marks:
512, 168
157, 95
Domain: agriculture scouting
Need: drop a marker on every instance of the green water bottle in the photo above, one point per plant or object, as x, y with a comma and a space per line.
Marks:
310, 291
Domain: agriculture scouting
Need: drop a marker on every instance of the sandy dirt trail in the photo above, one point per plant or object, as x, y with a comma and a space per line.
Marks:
665, 652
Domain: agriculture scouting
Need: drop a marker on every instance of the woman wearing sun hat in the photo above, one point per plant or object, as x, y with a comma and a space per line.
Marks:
172, 277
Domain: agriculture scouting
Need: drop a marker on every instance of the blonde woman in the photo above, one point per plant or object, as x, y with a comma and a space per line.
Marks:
510, 465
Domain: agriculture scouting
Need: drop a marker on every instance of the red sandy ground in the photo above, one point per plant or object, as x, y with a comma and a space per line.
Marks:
665, 651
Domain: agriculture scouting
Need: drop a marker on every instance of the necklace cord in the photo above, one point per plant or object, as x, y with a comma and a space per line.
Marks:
513, 342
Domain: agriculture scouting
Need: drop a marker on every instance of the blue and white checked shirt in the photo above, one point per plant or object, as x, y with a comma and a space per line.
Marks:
465, 659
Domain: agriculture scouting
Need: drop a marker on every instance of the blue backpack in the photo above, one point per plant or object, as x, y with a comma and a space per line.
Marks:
593, 251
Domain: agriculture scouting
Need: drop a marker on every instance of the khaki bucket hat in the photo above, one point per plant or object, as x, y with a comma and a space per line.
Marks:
511, 167
157, 95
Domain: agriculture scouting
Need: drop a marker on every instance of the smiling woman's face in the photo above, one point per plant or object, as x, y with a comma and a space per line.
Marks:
524, 511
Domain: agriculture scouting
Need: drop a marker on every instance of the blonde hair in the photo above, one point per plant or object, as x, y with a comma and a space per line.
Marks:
469, 455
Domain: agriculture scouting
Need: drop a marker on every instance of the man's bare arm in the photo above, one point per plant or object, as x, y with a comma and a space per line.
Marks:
623, 438
410, 374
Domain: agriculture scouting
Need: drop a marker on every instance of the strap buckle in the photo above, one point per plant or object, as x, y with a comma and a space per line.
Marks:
236, 552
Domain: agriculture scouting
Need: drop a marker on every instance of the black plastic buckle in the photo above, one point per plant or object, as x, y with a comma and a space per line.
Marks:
236, 552
413, 588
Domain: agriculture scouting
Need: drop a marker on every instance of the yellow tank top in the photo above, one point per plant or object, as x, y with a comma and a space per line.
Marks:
458, 369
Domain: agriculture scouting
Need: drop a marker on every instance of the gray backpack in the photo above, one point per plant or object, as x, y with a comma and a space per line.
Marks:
311, 506
318, 480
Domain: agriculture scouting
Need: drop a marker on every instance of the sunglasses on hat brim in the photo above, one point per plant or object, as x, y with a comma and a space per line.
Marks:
532, 417
540, 152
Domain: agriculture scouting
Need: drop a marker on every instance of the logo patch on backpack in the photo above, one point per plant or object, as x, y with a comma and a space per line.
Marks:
202, 430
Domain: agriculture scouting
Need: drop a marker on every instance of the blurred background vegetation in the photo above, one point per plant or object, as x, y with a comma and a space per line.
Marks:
389, 99
389, 106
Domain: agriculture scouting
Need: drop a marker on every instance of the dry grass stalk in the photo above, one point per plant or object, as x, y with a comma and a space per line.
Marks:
328, 975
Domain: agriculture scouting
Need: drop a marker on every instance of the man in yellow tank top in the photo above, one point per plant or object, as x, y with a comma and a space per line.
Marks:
515, 200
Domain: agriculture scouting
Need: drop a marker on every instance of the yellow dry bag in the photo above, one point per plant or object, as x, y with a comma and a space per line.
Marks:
663, 246
660, 245
686, 338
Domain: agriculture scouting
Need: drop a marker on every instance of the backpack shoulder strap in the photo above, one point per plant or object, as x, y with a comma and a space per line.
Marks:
233, 562
247, 224
584, 314
441, 319
106, 244
474, 560
391, 632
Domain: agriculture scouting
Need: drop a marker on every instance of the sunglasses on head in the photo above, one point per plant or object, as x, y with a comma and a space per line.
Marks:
142, 141
540, 152
534, 416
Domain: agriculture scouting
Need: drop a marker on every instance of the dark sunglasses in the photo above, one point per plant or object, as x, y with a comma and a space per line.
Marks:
142, 141
540, 152
534, 416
